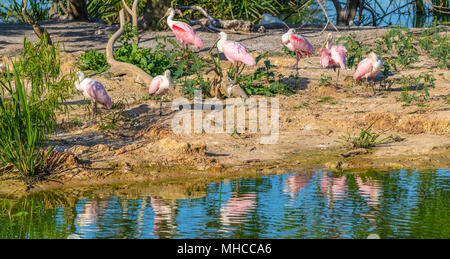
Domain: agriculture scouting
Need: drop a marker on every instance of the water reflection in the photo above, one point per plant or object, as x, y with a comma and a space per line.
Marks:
399, 204
164, 220
234, 211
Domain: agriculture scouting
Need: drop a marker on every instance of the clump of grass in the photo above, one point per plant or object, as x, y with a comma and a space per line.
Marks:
252, 83
23, 123
27, 110
436, 45
355, 50
300, 106
325, 99
420, 85
365, 139
189, 86
324, 80
400, 42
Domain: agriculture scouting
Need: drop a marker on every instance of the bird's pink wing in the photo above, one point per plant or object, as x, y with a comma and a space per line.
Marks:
234, 51
154, 85
325, 57
185, 33
98, 92
338, 55
301, 44
363, 69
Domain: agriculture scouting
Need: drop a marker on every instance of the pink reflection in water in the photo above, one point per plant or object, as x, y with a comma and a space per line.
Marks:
234, 211
333, 187
165, 215
91, 212
295, 183
370, 190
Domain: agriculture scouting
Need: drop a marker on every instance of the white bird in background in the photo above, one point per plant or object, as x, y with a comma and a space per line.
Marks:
94, 91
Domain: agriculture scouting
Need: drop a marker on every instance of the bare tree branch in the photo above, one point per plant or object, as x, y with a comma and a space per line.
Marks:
134, 16
326, 15
40, 32
438, 8
121, 68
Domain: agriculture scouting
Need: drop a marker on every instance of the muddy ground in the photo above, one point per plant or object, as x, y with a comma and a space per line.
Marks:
143, 147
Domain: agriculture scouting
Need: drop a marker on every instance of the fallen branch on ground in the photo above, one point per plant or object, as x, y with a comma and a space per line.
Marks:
217, 25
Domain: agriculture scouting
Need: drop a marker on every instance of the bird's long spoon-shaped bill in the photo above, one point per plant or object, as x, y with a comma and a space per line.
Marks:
214, 45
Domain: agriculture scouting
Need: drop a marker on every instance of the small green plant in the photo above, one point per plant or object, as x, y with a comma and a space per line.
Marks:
300, 106
436, 45
324, 80
234, 132
399, 42
189, 86
355, 50
93, 60
252, 83
420, 85
325, 99
365, 139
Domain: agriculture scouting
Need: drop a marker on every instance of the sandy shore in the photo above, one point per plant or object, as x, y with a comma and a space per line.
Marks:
144, 147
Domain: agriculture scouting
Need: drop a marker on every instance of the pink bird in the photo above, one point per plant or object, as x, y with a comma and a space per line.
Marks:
368, 68
94, 91
183, 32
298, 44
333, 56
234, 52
160, 85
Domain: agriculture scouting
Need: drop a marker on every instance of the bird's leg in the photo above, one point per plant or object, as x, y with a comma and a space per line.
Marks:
299, 56
297, 59
337, 77
239, 68
373, 90
367, 87
235, 71
160, 106
94, 109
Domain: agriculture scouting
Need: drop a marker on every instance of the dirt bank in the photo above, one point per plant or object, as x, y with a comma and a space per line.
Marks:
142, 146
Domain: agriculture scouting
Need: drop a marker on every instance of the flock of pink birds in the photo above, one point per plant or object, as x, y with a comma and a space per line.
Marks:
330, 56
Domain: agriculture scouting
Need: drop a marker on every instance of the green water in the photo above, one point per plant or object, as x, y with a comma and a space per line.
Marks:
398, 204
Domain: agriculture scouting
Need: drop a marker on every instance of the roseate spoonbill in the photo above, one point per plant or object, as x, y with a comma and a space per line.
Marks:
94, 91
333, 56
368, 68
160, 85
183, 32
234, 52
297, 43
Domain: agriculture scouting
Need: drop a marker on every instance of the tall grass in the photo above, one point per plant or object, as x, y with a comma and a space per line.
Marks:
29, 97
11, 10
22, 126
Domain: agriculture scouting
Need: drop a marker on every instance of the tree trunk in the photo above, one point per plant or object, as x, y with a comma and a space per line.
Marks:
154, 11
420, 8
347, 14
77, 10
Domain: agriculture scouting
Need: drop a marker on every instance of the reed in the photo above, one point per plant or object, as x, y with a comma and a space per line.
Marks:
30, 95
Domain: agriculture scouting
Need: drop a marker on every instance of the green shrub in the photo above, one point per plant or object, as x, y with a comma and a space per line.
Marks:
93, 60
